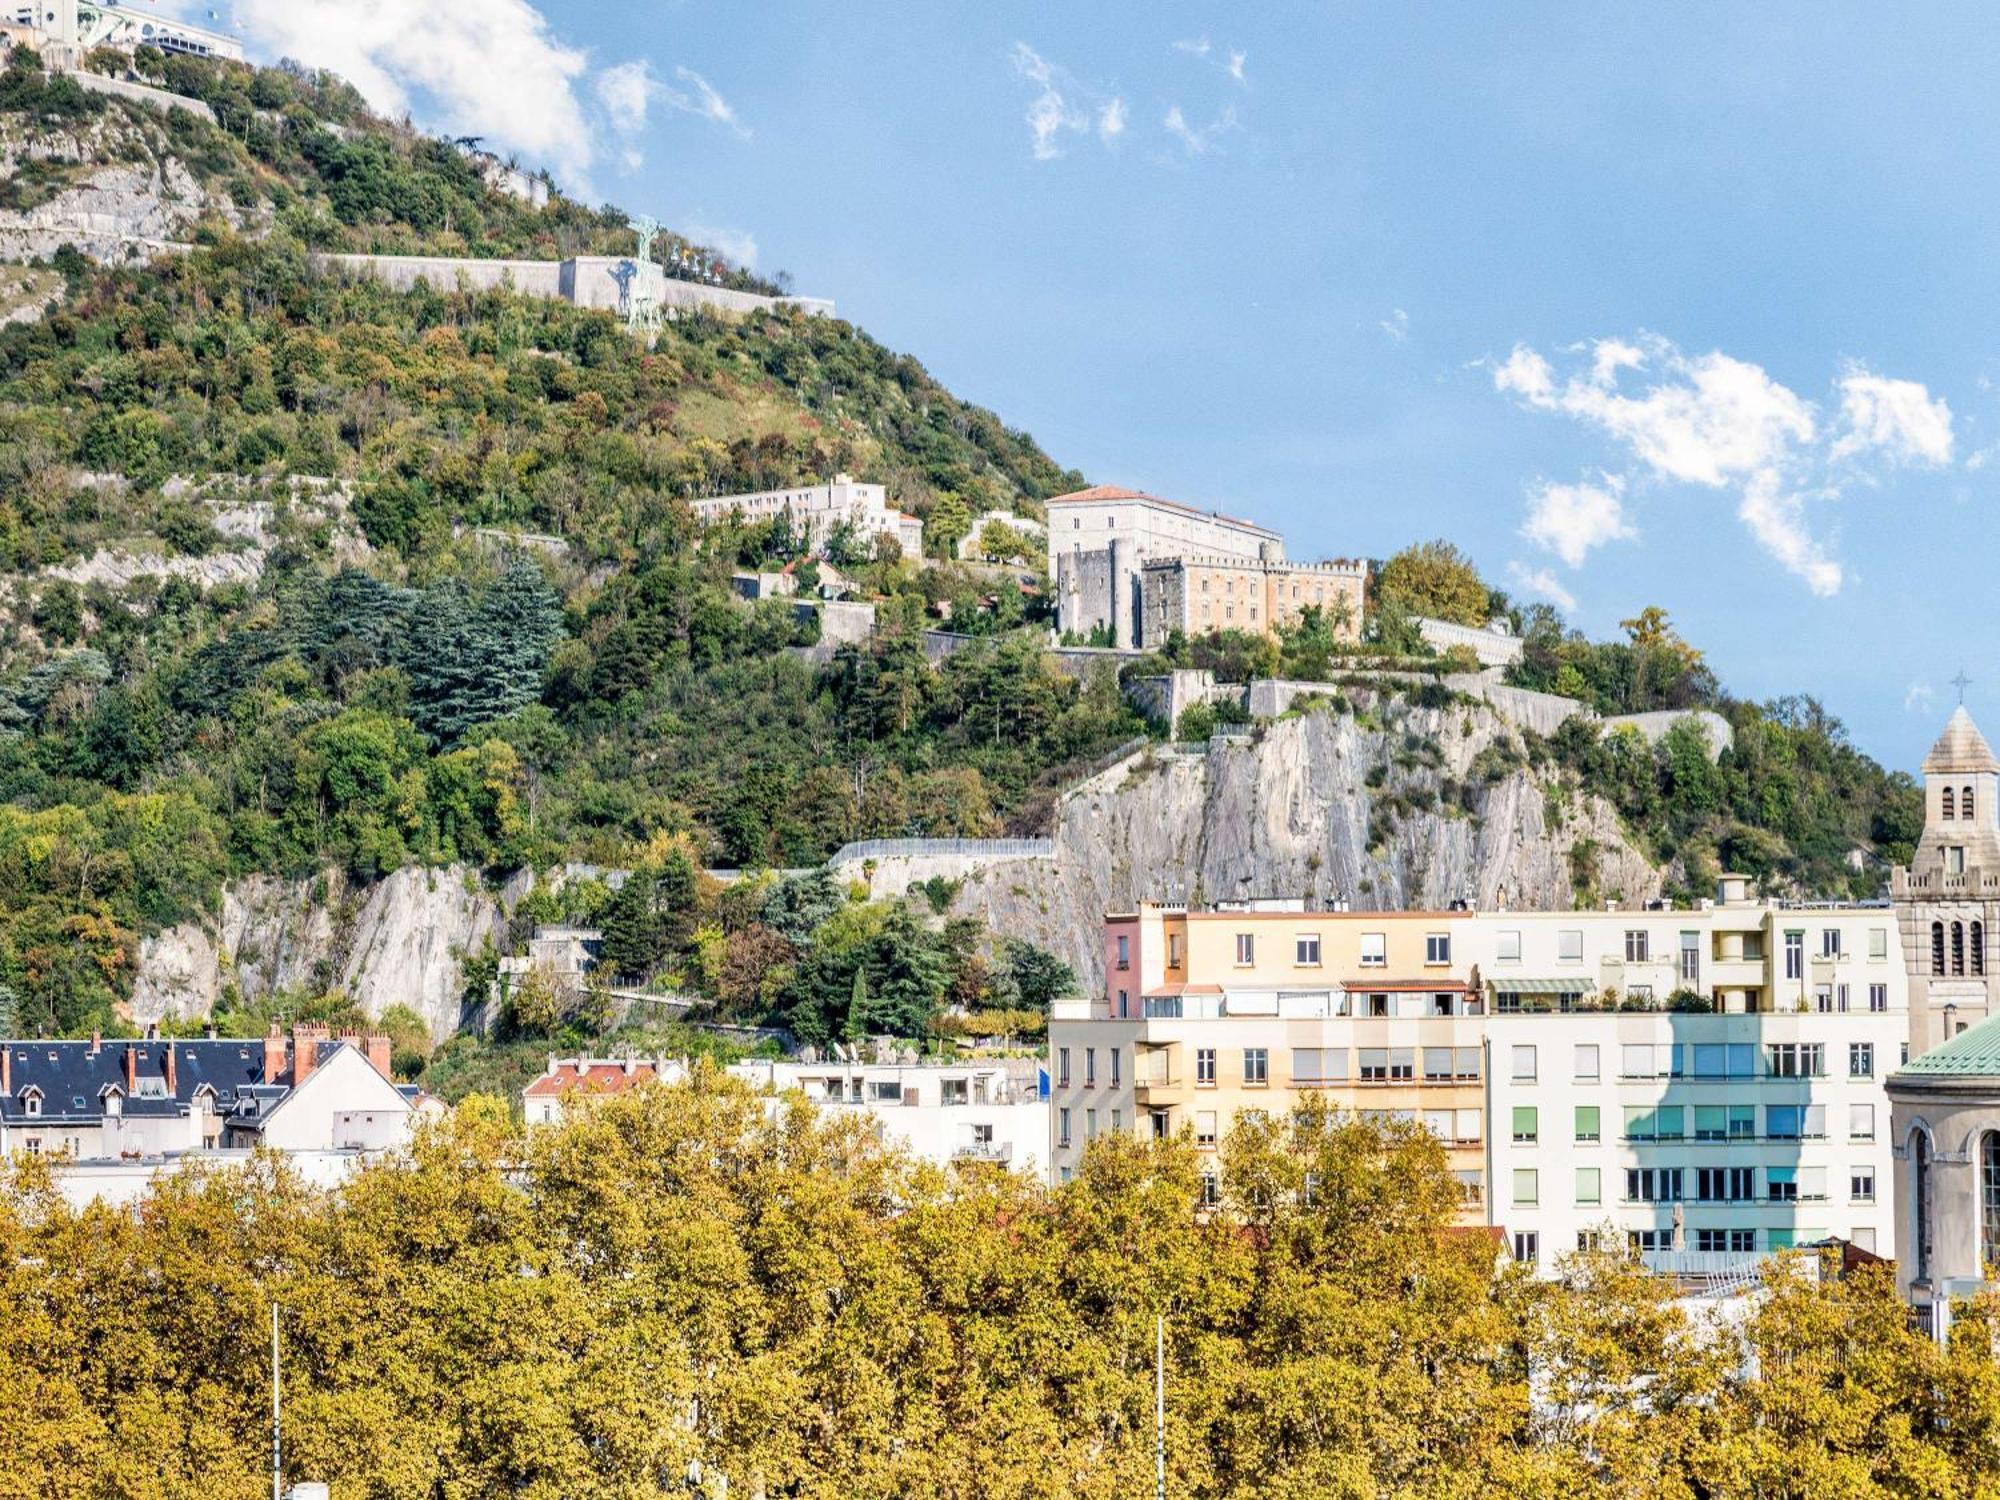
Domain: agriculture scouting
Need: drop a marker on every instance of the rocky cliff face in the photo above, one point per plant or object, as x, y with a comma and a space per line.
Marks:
399, 941
1393, 806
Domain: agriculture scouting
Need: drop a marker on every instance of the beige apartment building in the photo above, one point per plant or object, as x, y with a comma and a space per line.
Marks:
1195, 595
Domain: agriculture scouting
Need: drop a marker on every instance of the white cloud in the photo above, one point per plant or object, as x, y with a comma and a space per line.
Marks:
1543, 583
1193, 46
1724, 424
1572, 520
1235, 67
1979, 459
1230, 61
485, 67
1199, 142
627, 92
1063, 106
738, 246
1898, 418
1918, 699
1396, 325
704, 101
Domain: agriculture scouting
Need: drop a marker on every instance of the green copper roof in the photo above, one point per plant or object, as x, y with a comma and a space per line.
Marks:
1973, 1053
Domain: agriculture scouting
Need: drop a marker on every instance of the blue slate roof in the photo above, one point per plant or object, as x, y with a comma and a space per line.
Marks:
74, 1078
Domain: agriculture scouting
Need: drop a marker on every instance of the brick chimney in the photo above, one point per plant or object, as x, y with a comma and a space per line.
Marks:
131, 1069
274, 1054
173, 1077
96, 1043
306, 1037
6, 1070
378, 1050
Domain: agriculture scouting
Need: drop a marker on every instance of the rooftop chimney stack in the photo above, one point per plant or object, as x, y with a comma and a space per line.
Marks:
379, 1052
131, 1069
274, 1054
173, 1078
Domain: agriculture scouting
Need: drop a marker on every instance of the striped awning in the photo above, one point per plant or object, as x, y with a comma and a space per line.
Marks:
1574, 986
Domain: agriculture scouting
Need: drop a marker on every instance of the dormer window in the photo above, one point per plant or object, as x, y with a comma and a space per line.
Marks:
31, 1102
114, 1100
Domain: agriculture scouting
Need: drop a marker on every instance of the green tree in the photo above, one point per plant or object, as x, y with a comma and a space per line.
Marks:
1434, 579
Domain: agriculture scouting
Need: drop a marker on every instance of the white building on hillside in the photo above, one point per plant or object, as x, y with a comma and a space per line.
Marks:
819, 509
945, 1112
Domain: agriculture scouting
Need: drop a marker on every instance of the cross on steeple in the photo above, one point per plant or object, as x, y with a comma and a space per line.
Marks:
1961, 682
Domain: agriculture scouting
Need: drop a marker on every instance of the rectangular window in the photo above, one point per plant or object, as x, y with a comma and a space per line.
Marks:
1211, 1190
1586, 1124
1653, 1185
1246, 948
1309, 951
1861, 1122
1829, 942
1117, 1121
1204, 1129
1791, 1122
1878, 998
1374, 950
1781, 1184
1527, 1246
1509, 949
1089, 1067
1527, 1129
1437, 948
1124, 952
1690, 958
1861, 1185
1526, 1185
1204, 1066
1173, 950
1860, 1059
1124, 1005
1796, 1059
1795, 955
1319, 1065
1878, 942
1465, 1126
1090, 1124
1524, 1063
1062, 1067
1589, 1185
1465, 1064
1256, 1065
1725, 1184
1569, 946
1437, 1065
1638, 947
1062, 1127
1586, 1061
1439, 1123
1116, 1071
1374, 1064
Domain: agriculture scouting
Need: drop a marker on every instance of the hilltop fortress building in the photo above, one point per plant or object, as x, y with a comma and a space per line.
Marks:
1141, 567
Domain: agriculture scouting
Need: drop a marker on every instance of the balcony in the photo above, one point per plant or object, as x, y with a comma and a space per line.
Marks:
1000, 1153
1152, 1087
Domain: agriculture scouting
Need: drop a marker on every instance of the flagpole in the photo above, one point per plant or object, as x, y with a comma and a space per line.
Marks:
1160, 1407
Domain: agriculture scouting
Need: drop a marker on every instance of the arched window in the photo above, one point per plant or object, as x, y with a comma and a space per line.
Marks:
1937, 947
1979, 948
1949, 803
1958, 947
1920, 1177
1965, 802
1989, 1199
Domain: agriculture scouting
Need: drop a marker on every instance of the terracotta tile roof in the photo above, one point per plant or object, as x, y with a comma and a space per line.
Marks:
592, 1078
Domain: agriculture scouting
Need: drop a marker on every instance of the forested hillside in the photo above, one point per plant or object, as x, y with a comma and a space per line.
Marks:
265, 608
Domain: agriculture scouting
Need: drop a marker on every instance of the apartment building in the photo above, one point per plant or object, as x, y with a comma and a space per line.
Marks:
1481, 1026
972, 1112
1707, 1133
1196, 595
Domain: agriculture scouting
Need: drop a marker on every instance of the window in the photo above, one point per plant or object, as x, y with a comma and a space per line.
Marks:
1062, 1066
1654, 1122
1781, 1184
1062, 1127
1979, 948
1387, 1064
1586, 1061
1524, 1063
1589, 1241
1861, 1122
1989, 1197
1204, 1066
1795, 955
1246, 948
1950, 803
1650, 1060
1089, 1067
1791, 1122
1878, 998
1527, 1246
1638, 949
1117, 1121
1920, 1172
1569, 946
1954, 860
1526, 1185
1204, 1129
1586, 1124
31, 1103
1116, 1071
1124, 952
1724, 1060
1965, 802
1509, 949
1211, 1190
1309, 951
1090, 1124
1861, 1186
1653, 1185
1829, 942
1527, 1130
1957, 945
1796, 1059
1465, 1126
1374, 950
1256, 1065
1937, 947
1690, 957
1860, 1059
1173, 950
1878, 942
1823, 999
1716, 1241
1161, 1127
1437, 948
1319, 1065
1589, 1185
1471, 1191
1725, 1184
1437, 1065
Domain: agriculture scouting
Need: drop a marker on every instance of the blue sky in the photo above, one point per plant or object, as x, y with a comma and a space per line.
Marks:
1682, 305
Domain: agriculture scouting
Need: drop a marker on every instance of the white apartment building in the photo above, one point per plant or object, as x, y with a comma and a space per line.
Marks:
1725, 1135
820, 508
944, 1112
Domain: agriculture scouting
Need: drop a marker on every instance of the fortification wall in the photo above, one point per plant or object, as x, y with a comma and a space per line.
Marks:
1653, 727
139, 93
533, 278
889, 867
593, 281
